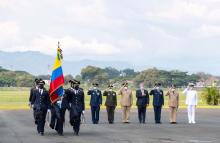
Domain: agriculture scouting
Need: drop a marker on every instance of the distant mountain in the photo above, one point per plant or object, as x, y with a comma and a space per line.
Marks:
15, 78
38, 63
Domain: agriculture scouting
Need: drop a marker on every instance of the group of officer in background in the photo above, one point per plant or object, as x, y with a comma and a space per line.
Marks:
73, 100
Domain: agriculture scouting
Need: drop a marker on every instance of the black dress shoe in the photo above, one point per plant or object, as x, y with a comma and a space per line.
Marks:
41, 133
51, 126
61, 134
76, 133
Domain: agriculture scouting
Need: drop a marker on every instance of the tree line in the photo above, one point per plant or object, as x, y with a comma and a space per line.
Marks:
109, 75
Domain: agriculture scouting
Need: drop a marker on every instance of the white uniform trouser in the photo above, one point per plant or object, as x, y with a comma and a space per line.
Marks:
191, 113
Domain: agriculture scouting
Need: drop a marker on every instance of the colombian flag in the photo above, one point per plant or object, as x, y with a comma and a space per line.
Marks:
57, 79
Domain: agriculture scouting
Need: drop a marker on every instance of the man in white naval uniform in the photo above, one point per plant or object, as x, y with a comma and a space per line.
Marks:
191, 102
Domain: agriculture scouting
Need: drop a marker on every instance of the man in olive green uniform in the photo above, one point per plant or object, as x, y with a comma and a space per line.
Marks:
173, 103
126, 102
110, 103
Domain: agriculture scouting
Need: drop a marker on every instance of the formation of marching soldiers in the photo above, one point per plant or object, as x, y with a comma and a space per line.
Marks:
73, 101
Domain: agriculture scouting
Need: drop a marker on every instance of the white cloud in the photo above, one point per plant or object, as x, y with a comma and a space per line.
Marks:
9, 34
205, 31
176, 10
130, 45
92, 13
8, 28
70, 46
113, 29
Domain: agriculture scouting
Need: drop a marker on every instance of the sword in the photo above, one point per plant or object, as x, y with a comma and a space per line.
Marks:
48, 118
83, 119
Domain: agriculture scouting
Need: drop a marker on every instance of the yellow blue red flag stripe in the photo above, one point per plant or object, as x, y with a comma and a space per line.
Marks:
57, 78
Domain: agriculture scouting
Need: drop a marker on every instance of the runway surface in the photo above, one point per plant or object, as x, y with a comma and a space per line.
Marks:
17, 126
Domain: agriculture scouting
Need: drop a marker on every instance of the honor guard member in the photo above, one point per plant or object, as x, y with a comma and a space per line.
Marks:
142, 102
75, 96
173, 102
158, 101
36, 81
95, 102
58, 111
56, 117
64, 105
33, 89
126, 101
191, 102
110, 103
41, 104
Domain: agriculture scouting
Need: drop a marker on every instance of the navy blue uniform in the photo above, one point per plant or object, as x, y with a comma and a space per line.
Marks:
95, 102
64, 106
58, 114
77, 105
158, 102
56, 117
33, 89
142, 102
41, 102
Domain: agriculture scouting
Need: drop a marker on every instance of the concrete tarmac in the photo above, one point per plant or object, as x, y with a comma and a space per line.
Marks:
17, 126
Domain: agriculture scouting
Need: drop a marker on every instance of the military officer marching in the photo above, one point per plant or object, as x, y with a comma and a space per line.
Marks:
75, 97
36, 81
58, 111
56, 117
41, 104
33, 89
95, 102
110, 103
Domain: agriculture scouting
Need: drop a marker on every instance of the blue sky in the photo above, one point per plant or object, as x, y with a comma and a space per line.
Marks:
169, 34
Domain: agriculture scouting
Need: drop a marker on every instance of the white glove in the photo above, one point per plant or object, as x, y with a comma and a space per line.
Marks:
48, 110
83, 111
32, 106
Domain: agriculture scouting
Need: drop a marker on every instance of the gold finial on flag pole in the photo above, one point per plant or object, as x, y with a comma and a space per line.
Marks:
58, 44
59, 51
